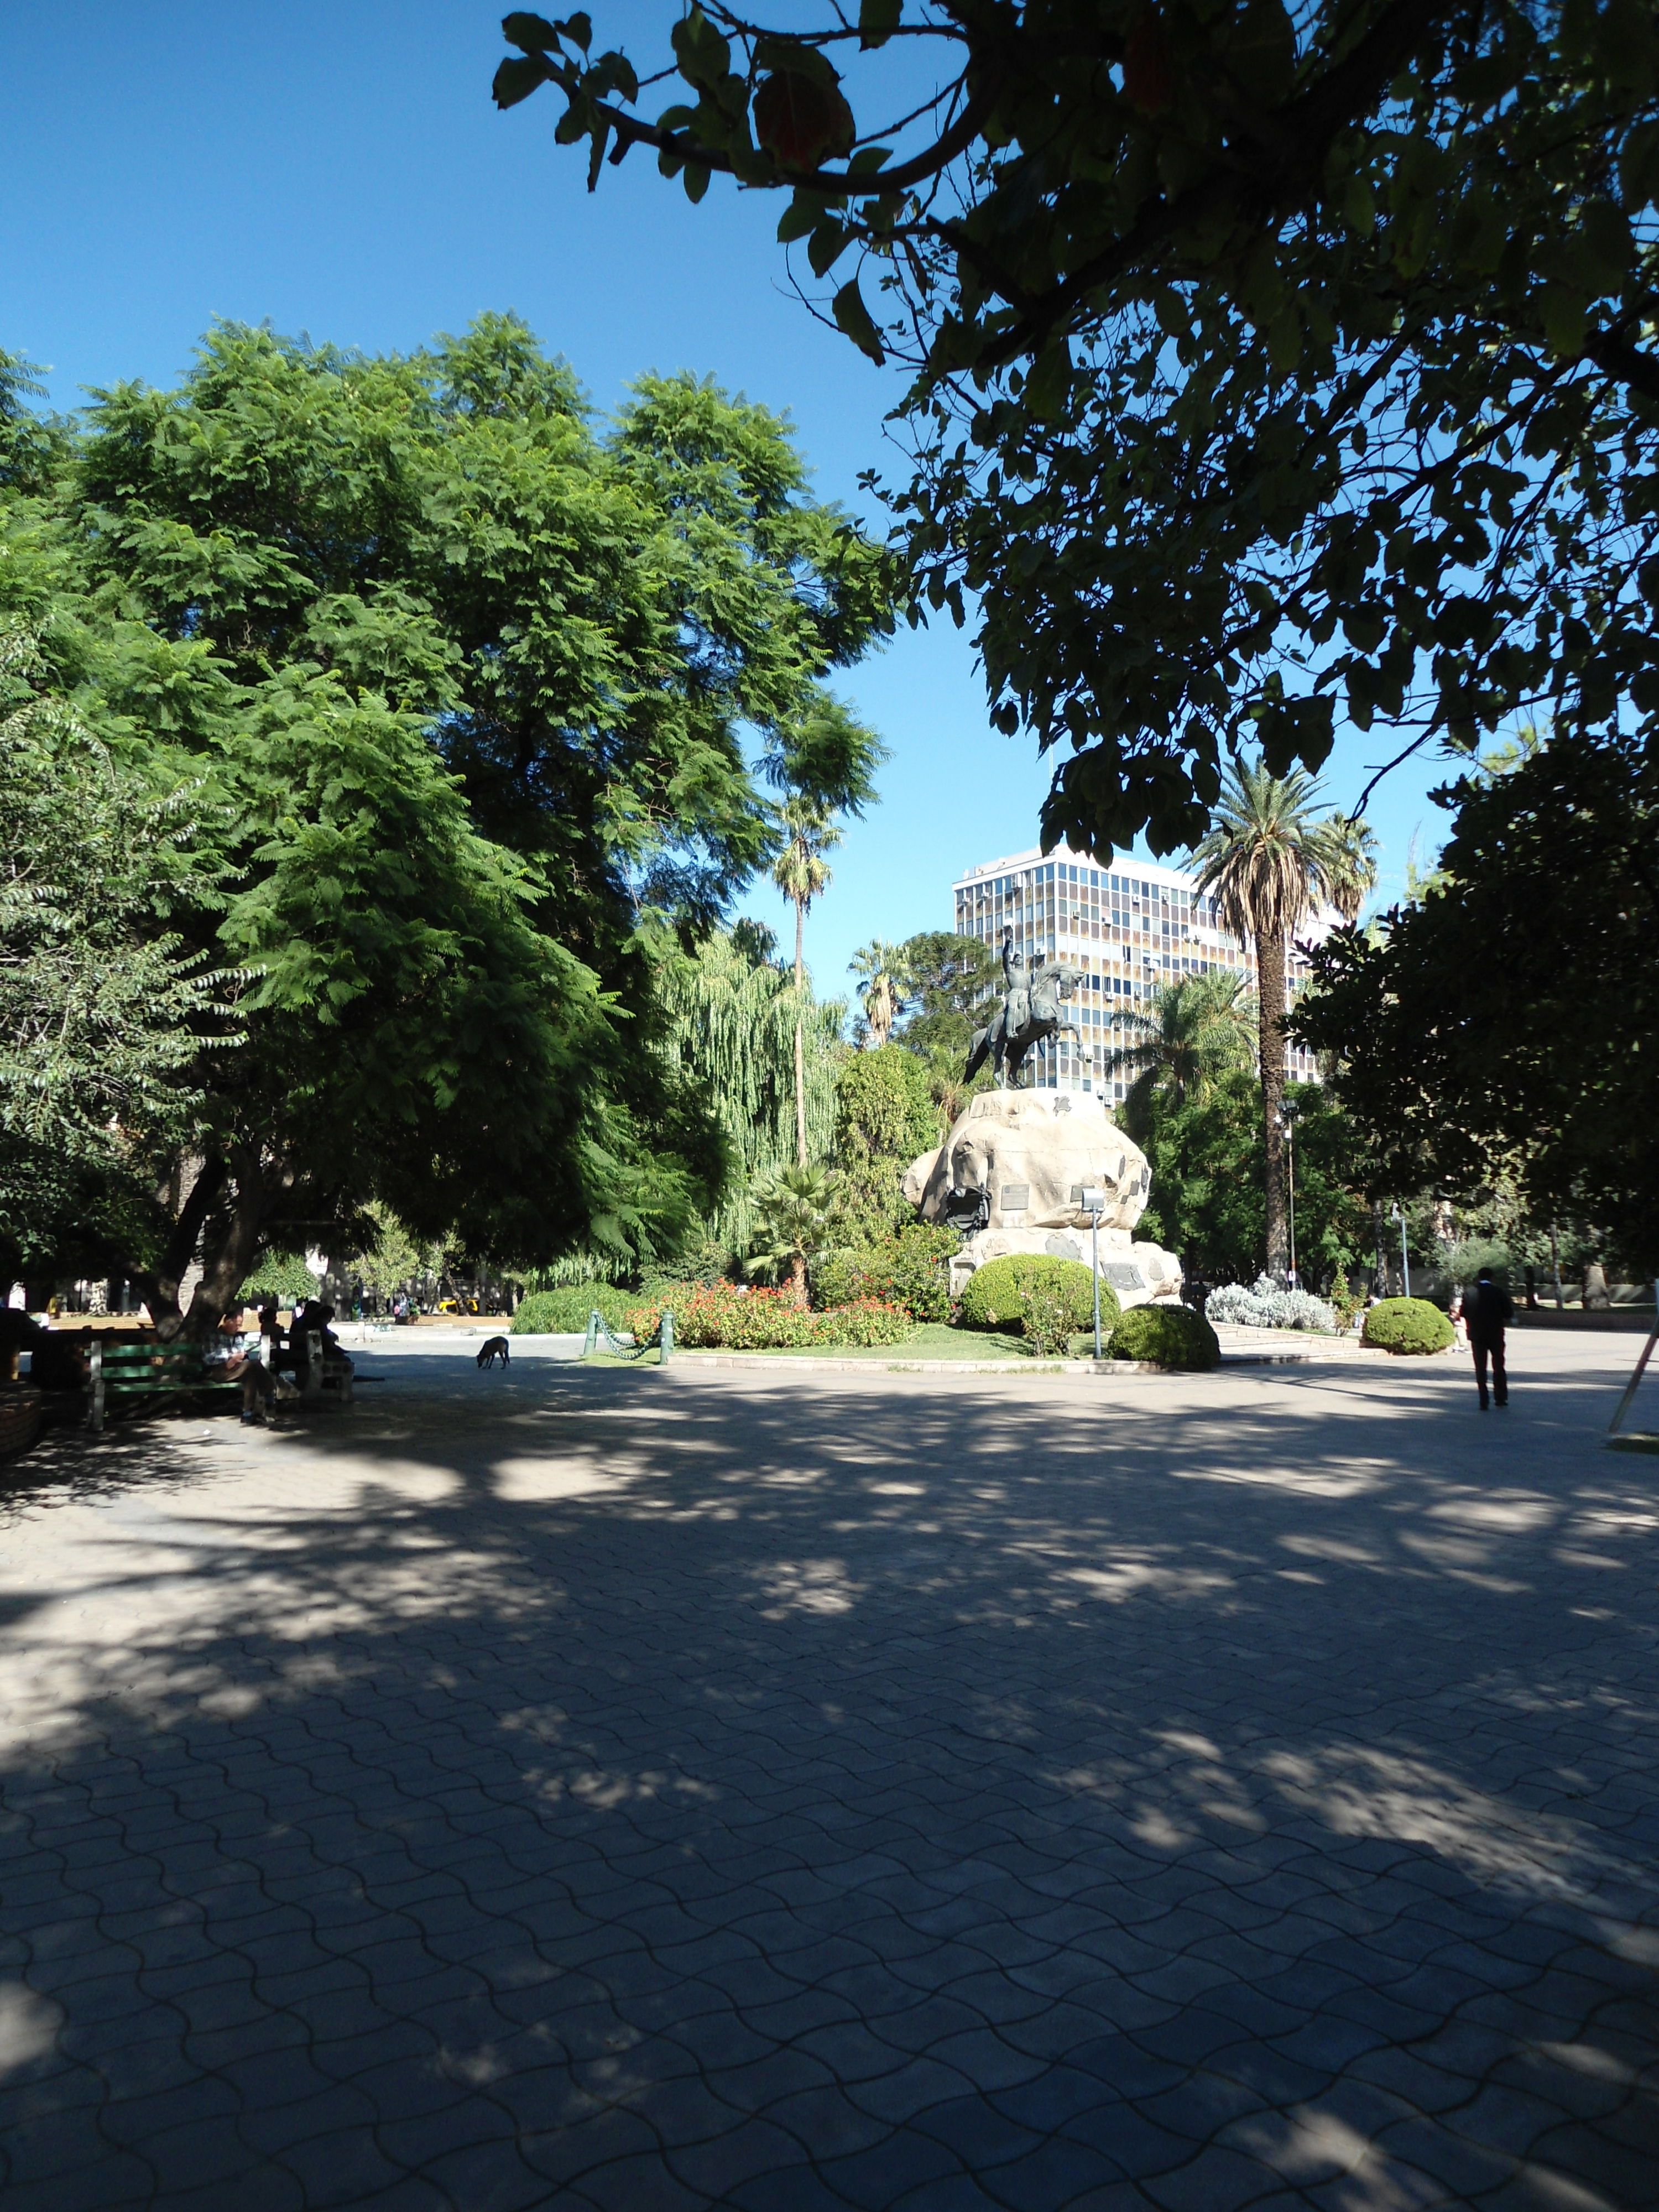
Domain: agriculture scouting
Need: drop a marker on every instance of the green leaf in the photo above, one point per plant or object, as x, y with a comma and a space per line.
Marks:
579, 30
1565, 318
877, 20
826, 244
696, 181
702, 55
804, 214
534, 34
852, 317
516, 80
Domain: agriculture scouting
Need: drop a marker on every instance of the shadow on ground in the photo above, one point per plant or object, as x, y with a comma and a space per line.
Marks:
649, 1790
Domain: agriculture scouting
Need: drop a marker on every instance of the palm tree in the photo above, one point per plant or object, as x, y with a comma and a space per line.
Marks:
793, 1216
1197, 1029
1352, 864
800, 873
1272, 855
878, 963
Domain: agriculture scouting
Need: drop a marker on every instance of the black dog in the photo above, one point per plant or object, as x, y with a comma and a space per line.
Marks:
492, 1349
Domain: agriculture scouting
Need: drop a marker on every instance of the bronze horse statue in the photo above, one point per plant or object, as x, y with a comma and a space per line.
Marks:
1029, 1011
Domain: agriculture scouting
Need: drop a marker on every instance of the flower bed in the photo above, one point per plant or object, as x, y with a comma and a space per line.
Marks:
724, 1317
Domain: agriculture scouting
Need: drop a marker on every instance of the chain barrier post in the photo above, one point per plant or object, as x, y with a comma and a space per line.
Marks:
591, 1343
667, 1351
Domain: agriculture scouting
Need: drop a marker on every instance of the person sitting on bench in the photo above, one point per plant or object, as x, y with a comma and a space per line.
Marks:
312, 1320
234, 1353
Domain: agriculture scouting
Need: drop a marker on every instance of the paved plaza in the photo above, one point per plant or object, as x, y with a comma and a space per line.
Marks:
644, 1790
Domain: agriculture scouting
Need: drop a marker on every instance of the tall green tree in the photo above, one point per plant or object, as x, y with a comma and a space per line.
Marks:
730, 1019
945, 980
884, 1117
807, 830
104, 1015
877, 964
463, 688
1268, 862
1198, 1029
1498, 1031
1272, 365
1206, 1153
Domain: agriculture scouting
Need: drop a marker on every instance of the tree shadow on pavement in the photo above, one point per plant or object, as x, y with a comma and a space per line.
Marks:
766, 1790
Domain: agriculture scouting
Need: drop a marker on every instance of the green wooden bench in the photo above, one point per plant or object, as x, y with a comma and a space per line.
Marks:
118, 1371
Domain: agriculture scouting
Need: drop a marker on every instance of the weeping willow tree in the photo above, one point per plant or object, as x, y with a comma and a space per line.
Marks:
731, 1023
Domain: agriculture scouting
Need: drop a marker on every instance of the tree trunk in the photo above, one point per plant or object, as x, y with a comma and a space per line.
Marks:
800, 1049
227, 1199
1270, 992
797, 1280
226, 1264
159, 1285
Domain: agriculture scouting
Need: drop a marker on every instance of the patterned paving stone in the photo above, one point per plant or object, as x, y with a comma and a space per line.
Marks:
706, 1789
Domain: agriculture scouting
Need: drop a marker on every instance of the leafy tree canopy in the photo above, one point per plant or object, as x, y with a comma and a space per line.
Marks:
1546, 899
943, 980
1207, 1153
460, 691
1272, 364
884, 1118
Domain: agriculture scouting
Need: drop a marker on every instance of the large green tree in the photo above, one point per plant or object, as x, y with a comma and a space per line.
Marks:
1501, 1029
1206, 1149
946, 984
103, 1017
1272, 365
462, 691
731, 1015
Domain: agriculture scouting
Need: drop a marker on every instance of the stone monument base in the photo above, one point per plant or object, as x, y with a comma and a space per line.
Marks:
1138, 1273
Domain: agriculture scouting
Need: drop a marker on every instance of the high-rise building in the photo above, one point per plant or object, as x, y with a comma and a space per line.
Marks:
1125, 929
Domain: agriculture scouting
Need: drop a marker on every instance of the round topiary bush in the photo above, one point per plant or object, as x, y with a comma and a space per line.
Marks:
564, 1312
1173, 1335
992, 1299
1408, 1325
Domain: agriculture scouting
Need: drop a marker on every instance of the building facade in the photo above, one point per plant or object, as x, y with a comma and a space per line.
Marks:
1125, 930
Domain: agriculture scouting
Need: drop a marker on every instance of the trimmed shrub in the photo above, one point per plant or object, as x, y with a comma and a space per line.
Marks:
564, 1312
1173, 1335
911, 1269
1408, 1325
1270, 1306
992, 1297
868, 1320
722, 1317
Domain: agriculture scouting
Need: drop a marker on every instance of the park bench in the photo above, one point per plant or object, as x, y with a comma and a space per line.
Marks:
117, 1371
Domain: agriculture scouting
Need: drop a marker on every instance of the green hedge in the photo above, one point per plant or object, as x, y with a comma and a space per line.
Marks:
564, 1312
723, 1316
1408, 1325
992, 1299
911, 1269
1173, 1335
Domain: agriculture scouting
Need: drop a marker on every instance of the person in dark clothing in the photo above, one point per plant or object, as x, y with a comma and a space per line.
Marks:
55, 1363
1487, 1313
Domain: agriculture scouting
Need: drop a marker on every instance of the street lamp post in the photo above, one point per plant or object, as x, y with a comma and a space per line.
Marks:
1290, 1165
1405, 1256
1093, 1203
1287, 1130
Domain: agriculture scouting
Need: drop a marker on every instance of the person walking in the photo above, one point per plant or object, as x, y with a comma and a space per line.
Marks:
1487, 1314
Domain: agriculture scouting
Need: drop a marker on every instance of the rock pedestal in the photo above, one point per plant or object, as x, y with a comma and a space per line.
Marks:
1012, 1176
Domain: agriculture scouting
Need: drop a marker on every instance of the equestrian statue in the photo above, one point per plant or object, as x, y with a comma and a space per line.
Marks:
1029, 1011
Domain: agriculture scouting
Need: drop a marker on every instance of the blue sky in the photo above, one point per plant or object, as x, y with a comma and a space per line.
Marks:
340, 169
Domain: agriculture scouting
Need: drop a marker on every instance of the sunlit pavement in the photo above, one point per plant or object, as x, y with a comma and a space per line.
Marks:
640, 1790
